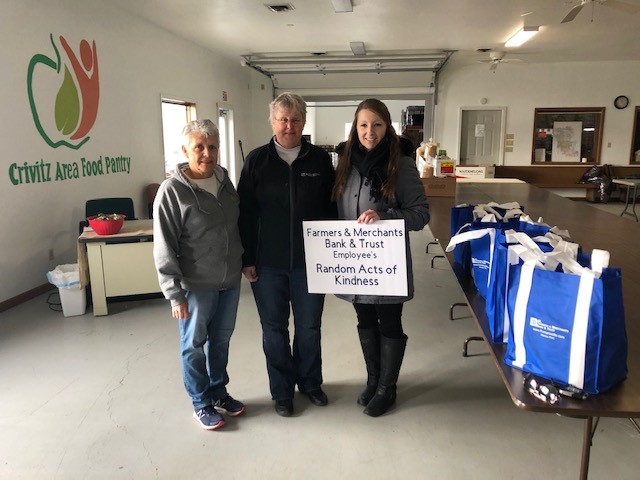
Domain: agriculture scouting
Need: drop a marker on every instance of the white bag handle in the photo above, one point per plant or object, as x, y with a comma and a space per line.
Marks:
528, 219
489, 218
481, 211
512, 209
468, 236
558, 243
511, 236
599, 261
504, 206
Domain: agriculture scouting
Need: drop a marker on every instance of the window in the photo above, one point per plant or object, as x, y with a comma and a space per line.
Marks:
567, 135
175, 115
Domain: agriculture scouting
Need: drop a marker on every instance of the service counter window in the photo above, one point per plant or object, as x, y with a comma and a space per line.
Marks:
567, 136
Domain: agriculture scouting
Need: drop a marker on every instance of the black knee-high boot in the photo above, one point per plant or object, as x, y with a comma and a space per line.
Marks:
370, 343
392, 353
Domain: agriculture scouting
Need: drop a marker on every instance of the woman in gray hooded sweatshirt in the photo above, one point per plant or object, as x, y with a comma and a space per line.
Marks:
198, 255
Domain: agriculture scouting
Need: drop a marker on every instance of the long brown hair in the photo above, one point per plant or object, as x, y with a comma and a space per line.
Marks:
344, 165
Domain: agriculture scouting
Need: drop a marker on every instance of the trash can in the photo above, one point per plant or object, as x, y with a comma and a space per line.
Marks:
72, 295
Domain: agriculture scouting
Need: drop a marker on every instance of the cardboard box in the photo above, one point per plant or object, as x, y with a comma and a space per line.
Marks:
475, 171
439, 186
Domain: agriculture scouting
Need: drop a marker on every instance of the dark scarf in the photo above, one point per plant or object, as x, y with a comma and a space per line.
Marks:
372, 165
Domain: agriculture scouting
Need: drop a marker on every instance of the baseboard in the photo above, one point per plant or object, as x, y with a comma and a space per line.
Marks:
26, 296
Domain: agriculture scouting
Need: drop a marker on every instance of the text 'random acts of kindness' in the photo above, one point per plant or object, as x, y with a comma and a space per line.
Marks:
354, 258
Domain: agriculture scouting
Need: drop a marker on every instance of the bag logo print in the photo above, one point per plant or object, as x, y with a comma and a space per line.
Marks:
546, 330
480, 263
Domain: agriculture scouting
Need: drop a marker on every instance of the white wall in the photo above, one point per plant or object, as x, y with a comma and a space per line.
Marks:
330, 117
522, 88
137, 64
261, 96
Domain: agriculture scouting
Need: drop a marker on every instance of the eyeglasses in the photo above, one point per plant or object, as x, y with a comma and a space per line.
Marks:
549, 392
293, 121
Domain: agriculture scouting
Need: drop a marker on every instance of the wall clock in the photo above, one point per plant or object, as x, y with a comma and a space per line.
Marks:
621, 102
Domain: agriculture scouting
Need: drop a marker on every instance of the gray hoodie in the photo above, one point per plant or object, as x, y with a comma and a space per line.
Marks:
196, 243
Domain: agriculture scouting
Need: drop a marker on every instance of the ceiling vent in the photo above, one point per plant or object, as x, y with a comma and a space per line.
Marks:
280, 7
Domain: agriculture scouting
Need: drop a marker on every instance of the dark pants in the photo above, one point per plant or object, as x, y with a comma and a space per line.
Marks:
386, 316
275, 291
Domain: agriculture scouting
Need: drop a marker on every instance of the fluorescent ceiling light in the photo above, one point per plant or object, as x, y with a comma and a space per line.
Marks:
521, 36
358, 48
342, 6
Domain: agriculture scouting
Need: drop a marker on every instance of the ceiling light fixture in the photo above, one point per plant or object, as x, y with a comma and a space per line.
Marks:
342, 6
521, 36
358, 49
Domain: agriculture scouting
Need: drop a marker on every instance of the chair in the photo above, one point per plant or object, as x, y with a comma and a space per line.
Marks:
150, 192
123, 205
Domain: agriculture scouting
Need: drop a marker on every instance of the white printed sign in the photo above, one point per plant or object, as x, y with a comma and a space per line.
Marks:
344, 256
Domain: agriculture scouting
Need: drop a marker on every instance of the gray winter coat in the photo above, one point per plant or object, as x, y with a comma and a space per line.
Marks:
410, 204
196, 242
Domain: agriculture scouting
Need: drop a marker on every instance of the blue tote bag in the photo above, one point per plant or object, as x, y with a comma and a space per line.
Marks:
464, 216
568, 326
510, 247
481, 237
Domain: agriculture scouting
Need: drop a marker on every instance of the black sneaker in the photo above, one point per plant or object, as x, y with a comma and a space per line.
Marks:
317, 397
284, 408
230, 406
208, 418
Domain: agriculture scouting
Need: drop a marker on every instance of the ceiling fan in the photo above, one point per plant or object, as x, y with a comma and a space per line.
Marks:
496, 58
615, 4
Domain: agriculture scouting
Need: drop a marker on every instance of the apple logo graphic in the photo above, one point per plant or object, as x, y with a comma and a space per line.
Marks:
67, 102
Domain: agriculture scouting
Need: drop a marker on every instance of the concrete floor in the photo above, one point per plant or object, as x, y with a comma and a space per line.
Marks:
102, 398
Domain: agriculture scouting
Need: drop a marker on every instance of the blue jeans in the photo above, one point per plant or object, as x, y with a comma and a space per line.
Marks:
212, 319
275, 290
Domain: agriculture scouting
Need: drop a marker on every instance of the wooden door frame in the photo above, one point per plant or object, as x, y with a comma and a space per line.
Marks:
503, 129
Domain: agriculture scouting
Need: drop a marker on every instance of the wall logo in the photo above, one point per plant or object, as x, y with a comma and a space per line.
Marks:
66, 117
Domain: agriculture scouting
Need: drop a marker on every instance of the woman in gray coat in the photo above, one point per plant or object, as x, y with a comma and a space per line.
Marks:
375, 182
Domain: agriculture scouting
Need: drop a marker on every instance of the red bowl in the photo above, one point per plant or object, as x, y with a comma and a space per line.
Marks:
106, 227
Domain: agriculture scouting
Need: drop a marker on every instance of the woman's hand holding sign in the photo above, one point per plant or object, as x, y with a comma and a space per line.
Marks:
368, 216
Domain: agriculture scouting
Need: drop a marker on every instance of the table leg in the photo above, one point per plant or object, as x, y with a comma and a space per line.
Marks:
588, 431
435, 242
635, 194
434, 257
626, 202
453, 306
465, 347
96, 275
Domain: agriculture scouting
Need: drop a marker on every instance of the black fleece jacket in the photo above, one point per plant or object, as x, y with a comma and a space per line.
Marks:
275, 198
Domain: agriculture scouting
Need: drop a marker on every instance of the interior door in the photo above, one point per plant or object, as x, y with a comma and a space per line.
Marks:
481, 137
227, 154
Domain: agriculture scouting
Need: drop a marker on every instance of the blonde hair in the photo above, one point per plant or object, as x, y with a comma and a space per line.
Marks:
288, 101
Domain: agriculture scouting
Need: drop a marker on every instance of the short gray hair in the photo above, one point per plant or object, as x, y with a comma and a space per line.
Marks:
288, 101
204, 127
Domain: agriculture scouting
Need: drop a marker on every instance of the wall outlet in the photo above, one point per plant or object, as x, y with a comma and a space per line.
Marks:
51, 255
